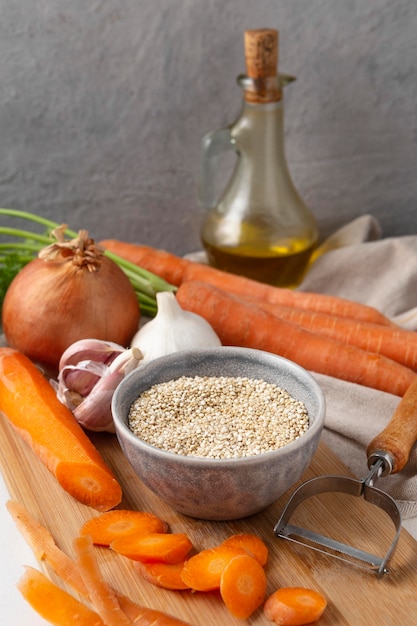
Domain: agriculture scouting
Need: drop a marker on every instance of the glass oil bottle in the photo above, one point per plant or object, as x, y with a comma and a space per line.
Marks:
260, 227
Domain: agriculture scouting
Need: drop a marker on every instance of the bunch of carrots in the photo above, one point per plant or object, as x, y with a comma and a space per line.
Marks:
235, 568
322, 333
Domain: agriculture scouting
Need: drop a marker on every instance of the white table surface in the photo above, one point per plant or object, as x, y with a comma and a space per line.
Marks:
14, 555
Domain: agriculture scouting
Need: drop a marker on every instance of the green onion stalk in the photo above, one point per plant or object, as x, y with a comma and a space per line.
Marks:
21, 246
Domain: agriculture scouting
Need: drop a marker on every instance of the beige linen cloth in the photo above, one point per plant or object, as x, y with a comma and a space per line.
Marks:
358, 264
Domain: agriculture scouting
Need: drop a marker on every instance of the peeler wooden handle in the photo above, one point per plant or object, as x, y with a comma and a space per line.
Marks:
400, 435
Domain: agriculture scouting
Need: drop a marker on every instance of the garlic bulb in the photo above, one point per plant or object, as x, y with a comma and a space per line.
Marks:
90, 370
173, 329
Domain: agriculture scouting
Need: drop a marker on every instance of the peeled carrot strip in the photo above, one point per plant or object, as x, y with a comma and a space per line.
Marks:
202, 572
251, 543
166, 575
111, 525
154, 547
44, 547
142, 616
50, 429
53, 603
102, 596
177, 271
240, 323
294, 606
243, 585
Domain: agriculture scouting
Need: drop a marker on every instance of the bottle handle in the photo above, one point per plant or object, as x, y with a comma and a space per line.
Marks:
212, 145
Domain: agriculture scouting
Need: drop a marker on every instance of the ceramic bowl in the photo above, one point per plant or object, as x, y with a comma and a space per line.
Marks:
220, 489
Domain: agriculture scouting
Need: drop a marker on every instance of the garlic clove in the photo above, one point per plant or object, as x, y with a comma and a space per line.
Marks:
173, 329
82, 377
90, 349
94, 412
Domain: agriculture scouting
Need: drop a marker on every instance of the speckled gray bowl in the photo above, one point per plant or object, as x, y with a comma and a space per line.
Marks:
223, 489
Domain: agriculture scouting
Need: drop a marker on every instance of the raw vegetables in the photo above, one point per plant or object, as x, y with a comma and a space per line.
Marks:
173, 329
53, 603
21, 246
177, 271
202, 571
165, 575
49, 428
89, 372
43, 545
392, 341
294, 606
243, 585
251, 543
153, 547
102, 596
241, 323
72, 291
111, 525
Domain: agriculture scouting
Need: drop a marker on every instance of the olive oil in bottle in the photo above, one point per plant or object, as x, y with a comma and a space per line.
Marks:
260, 227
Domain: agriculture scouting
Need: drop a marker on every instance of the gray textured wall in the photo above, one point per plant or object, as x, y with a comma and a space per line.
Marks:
103, 105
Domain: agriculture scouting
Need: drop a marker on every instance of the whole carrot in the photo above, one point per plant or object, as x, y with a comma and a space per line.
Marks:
392, 341
176, 271
241, 323
29, 402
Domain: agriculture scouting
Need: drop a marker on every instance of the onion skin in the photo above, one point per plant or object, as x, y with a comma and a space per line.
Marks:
50, 304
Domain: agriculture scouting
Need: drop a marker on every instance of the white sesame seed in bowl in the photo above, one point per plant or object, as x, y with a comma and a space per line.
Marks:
219, 433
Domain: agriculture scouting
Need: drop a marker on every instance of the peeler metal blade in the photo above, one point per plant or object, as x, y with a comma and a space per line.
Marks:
326, 545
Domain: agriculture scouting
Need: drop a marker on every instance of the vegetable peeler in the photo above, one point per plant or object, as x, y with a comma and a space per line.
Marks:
387, 454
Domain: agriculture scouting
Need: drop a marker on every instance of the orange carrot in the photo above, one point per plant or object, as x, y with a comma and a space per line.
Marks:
44, 547
166, 575
251, 543
102, 596
294, 606
50, 429
241, 323
392, 341
53, 603
153, 547
111, 525
202, 572
243, 585
177, 271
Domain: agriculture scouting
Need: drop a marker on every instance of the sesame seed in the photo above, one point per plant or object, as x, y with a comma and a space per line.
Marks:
217, 417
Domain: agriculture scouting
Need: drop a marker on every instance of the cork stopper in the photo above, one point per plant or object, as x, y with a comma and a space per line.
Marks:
261, 55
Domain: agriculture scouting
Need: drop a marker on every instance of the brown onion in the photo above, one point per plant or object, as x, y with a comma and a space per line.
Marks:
73, 291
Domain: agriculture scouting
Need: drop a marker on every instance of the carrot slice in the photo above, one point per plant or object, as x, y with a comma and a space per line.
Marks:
50, 429
154, 547
166, 575
102, 596
243, 585
53, 603
251, 543
202, 572
111, 525
45, 549
294, 606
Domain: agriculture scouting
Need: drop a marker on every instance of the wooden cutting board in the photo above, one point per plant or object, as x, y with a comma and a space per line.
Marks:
354, 596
